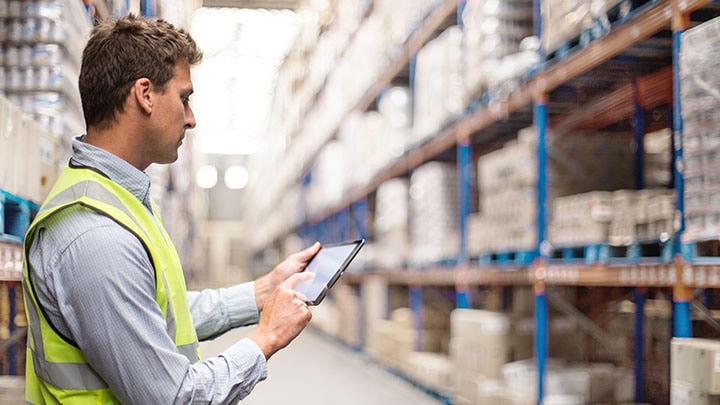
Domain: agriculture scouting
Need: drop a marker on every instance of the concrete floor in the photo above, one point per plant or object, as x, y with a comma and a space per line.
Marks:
317, 370
314, 369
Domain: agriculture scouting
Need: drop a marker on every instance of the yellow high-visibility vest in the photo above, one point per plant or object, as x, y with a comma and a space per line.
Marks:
56, 370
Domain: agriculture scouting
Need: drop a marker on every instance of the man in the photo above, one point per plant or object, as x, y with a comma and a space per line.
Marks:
110, 318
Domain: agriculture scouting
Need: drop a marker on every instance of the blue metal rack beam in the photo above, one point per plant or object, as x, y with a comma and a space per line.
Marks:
682, 322
639, 344
416, 304
541, 125
541, 315
465, 178
541, 338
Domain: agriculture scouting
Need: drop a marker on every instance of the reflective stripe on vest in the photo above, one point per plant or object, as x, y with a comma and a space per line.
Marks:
71, 376
86, 188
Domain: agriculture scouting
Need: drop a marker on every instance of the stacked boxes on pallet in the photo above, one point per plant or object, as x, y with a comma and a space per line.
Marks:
490, 367
701, 120
581, 219
340, 315
392, 341
434, 218
566, 383
479, 347
619, 217
694, 371
507, 184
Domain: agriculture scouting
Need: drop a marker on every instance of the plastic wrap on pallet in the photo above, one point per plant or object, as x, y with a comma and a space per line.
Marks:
657, 159
29, 156
492, 33
563, 21
434, 218
438, 89
392, 235
581, 219
699, 83
326, 189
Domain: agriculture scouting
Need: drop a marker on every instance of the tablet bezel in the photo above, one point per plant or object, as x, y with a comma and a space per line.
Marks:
359, 243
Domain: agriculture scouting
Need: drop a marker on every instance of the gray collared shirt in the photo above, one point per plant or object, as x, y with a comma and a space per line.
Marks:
96, 285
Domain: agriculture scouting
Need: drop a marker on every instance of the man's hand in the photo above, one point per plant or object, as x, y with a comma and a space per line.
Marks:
295, 263
286, 314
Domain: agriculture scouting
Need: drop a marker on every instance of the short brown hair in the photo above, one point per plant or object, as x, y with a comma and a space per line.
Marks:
119, 52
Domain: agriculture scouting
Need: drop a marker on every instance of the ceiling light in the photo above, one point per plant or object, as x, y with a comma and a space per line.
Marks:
206, 176
236, 177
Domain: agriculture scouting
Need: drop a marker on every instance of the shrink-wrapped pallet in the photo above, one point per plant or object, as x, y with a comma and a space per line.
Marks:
700, 100
392, 233
438, 91
507, 183
492, 33
434, 218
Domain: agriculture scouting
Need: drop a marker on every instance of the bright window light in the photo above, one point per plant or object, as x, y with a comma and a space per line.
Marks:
236, 177
206, 176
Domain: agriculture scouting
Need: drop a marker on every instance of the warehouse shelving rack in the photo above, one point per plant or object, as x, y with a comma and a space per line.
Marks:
655, 24
15, 216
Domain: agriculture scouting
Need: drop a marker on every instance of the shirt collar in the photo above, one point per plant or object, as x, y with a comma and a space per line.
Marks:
116, 169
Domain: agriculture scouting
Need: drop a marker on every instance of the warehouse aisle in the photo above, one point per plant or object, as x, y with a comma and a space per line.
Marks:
316, 370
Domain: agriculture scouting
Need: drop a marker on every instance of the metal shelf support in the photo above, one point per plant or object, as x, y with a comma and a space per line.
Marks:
541, 124
682, 322
541, 336
682, 295
416, 304
465, 168
680, 23
640, 295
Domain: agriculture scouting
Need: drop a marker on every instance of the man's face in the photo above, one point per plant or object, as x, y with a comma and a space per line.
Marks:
171, 117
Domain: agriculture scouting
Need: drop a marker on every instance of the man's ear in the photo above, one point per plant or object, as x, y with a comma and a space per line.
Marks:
142, 90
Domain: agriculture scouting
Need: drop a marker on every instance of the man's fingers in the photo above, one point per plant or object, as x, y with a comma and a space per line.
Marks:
297, 278
308, 253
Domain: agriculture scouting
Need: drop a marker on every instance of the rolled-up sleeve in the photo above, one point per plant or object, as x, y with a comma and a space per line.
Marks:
215, 311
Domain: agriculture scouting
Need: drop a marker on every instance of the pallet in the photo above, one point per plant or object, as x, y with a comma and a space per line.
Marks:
701, 252
515, 258
656, 250
15, 216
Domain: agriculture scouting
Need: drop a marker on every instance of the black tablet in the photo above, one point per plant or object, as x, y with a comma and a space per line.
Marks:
328, 264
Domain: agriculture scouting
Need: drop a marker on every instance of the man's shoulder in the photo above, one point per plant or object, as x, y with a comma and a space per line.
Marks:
64, 227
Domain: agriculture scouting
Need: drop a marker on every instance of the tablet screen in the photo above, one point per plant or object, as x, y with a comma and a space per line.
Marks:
328, 264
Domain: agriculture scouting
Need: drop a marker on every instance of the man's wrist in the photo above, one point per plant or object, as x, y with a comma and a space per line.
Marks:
263, 288
267, 342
